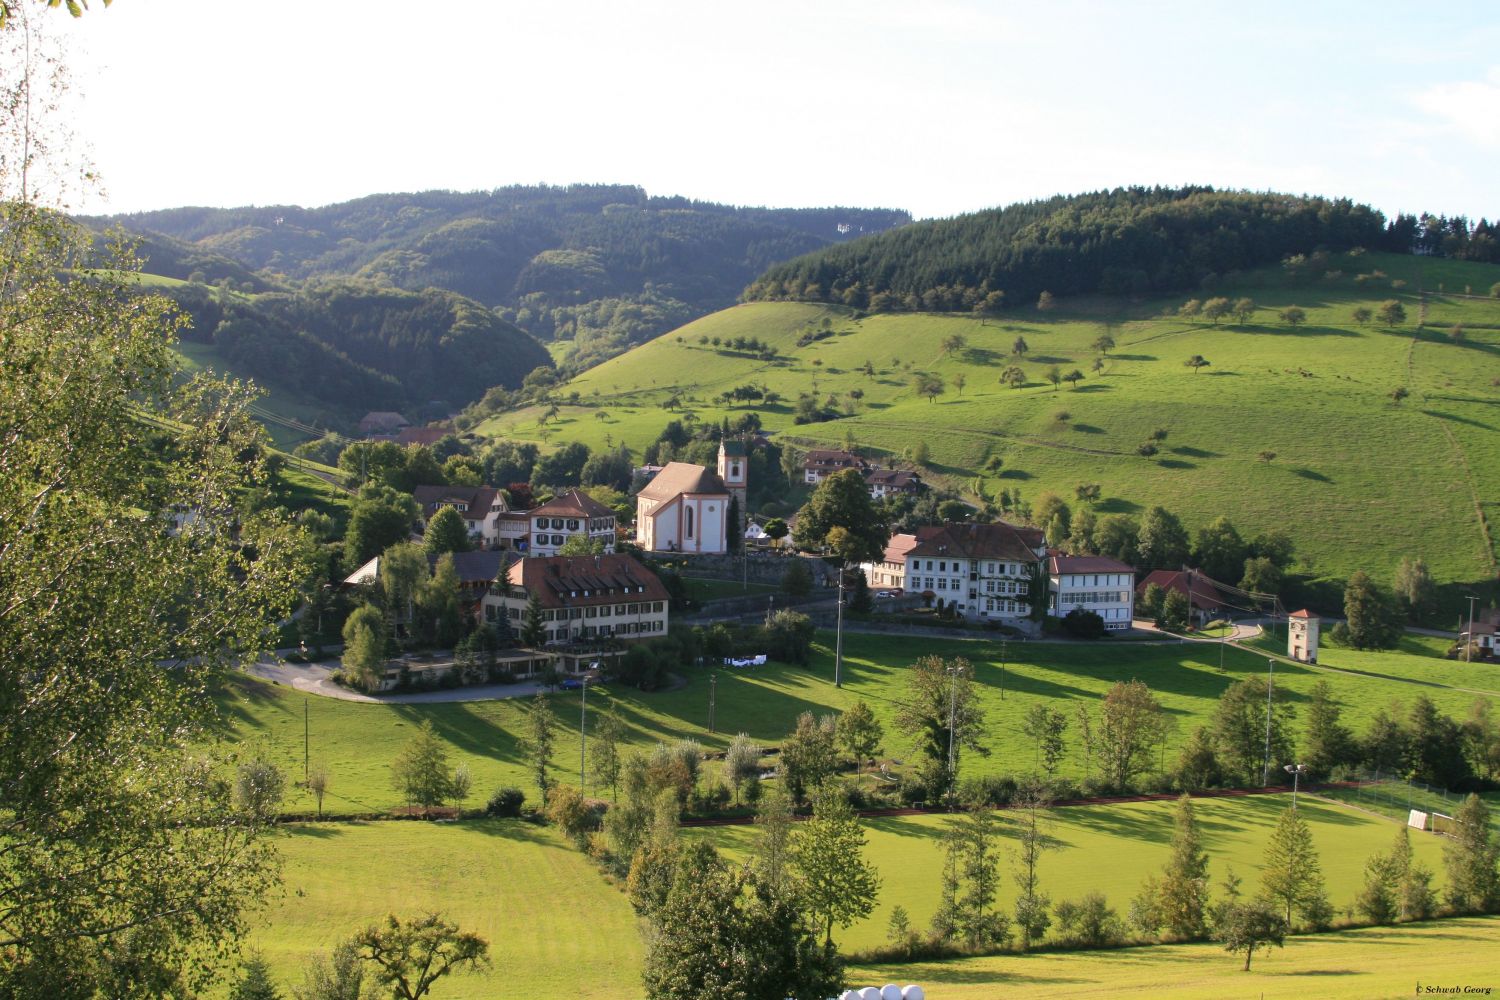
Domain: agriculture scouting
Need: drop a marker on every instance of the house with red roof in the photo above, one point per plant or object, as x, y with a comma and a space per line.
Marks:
983, 571
572, 512
1207, 598
584, 599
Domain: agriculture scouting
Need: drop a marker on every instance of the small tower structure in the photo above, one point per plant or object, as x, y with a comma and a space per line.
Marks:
1302, 636
734, 469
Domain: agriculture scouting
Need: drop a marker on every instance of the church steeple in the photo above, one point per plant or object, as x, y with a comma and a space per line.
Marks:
734, 469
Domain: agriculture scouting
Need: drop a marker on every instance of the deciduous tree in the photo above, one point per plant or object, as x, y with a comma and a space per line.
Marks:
835, 882
410, 957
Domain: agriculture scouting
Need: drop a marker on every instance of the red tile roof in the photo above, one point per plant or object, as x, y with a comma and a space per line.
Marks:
897, 548
1057, 565
580, 581
823, 459
978, 541
1202, 591
1304, 613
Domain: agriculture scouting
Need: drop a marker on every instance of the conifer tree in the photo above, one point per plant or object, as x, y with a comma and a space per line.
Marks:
1184, 882
1473, 879
1292, 876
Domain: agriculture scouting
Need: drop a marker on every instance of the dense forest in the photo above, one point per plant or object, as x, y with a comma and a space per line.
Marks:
605, 266
354, 345
1129, 241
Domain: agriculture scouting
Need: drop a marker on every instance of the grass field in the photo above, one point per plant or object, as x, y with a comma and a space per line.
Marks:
1317, 396
1366, 964
357, 741
1110, 849
505, 879
555, 927
711, 590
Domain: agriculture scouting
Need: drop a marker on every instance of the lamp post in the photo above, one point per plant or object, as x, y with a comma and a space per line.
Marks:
838, 640
1469, 646
583, 715
952, 726
1296, 771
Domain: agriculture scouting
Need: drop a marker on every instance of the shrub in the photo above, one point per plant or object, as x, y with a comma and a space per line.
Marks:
1083, 624
1089, 923
992, 790
505, 802
258, 788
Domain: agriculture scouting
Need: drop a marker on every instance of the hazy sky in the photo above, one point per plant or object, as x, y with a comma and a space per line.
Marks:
936, 107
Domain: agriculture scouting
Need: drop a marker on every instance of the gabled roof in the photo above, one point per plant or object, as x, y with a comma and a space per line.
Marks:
897, 478
824, 458
683, 477
977, 541
1058, 565
572, 503
1202, 591
474, 568
388, 420
478, 499
423, 435
897, 548
579, 581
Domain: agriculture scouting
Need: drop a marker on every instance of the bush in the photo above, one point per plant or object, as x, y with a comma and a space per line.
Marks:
258, 788
1083, 624
1089, 923
994, 790
506, 802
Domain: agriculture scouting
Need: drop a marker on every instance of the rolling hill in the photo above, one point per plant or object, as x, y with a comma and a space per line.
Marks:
1290, 427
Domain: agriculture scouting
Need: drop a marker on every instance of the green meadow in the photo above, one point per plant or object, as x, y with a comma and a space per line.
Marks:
1358, 480
557, 927
356, 741
1111, 849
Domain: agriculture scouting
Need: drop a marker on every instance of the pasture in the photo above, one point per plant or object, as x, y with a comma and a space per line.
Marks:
1317, 396
356, 742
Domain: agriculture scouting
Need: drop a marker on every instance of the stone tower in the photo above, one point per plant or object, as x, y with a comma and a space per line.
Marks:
1302, 636
734, 469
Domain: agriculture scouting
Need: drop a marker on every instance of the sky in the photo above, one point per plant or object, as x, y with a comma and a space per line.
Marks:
932, 106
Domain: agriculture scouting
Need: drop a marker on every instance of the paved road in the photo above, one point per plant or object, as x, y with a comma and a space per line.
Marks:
317, 678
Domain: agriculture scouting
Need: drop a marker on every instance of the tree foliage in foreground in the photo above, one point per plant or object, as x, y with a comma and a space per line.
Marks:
122, 859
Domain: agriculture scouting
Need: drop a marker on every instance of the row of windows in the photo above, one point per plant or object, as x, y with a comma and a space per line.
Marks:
604, 631
566, 614
1093, 597
1109, 579
1005, 587
1005, 606
961, 566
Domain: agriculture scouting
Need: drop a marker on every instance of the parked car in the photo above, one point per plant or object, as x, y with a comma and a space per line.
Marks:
571, 684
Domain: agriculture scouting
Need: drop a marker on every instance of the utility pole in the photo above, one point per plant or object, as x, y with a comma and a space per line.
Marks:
838, 641
306, 745
713, 699
952, 725
583, 715
1265, 769
1469, 646
1002, 669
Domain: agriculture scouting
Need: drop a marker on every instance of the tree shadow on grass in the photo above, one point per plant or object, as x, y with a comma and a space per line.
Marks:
1117, 505
1458, 420
1015, 474
1196, 453
1176, 463
1133, 357
1088, 429
518, 830
1312, 474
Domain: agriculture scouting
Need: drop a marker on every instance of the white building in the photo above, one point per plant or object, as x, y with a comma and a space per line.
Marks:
685, 508
583, 598
565, 515
1093, 583
983, 571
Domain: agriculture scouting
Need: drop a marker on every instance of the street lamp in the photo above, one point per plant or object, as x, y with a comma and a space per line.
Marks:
1296, 771
838, 641
583, 715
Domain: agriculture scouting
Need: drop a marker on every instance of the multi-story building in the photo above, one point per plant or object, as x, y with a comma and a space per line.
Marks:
892, 482
583, 598
480, 506
818, 464
982, 571
1094, 583
569, 513
890, 572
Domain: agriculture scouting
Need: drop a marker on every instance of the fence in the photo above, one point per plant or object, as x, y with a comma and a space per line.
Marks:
1395, 796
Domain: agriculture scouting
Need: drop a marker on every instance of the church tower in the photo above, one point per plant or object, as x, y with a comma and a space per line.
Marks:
734, 469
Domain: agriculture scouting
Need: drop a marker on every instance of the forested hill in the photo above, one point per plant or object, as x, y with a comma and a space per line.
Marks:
1134, 241
605, 266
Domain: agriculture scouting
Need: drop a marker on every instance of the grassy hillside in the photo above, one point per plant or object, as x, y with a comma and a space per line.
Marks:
1358, 480
506, 878
357, 742
1111, 849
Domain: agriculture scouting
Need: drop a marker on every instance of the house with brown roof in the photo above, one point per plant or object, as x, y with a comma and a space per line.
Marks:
890, 572
1092, 583
1207, 598
684, 508
584, 599
572, 512
479, 506
821, 463
382, 423
428, 436
884, 483
983, 571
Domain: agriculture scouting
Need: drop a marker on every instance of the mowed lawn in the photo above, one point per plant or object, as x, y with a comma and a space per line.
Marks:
1110, 849
555, 927
357, 742
1361, 964
1317, 396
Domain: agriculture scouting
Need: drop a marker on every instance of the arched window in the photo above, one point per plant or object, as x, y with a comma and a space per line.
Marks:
689, 522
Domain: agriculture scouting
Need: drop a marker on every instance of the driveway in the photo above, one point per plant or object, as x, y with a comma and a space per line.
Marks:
317, 678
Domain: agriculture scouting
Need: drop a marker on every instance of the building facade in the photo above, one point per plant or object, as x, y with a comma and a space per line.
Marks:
565, 515
685, 508
1092, 583
983, 571
583, 598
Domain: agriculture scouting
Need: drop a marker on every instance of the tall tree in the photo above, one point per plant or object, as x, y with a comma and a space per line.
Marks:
941, 702
1328, 743
604, 753
1239, 729
420, 771
807, 755
1162, 542
1471, 859
1414, 590
1183, 902
1033, 907
842, 501
1131, 725
859, 732
446, 532
96, 777
742, 763
773, 841
539, 740
1219, 550
379, 518
1292, 875
836, 884
974, 861
1045, 727
533, 624
1368, 614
